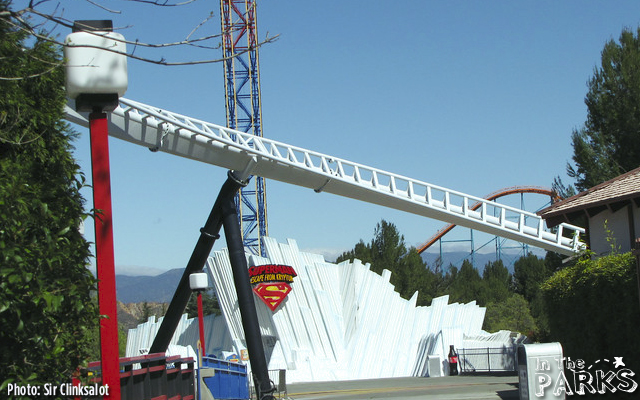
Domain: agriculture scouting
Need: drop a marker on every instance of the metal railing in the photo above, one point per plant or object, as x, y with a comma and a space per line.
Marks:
279, 379
487, 359
150, 376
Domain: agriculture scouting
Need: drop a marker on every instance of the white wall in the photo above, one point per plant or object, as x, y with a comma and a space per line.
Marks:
613, 224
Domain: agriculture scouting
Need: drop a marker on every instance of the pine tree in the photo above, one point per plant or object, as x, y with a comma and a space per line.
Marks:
497, 281
609, 143
387, 250
466, 284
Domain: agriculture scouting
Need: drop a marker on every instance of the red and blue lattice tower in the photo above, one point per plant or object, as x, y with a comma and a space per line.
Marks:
243, 104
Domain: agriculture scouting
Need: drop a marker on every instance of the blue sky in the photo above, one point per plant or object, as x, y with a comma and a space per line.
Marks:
473, 96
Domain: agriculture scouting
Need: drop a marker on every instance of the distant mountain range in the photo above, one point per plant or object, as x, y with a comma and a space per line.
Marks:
153, 289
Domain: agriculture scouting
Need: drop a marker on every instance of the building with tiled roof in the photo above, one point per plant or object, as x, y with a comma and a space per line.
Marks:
608, 210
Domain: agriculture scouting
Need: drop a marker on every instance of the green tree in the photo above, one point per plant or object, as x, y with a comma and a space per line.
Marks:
209, 304
146, 312
361, 251
528, 273
512, 314
387, 250
93, 350
609, 143
465, 284
497, 282
46, 312
417, 278
439, 283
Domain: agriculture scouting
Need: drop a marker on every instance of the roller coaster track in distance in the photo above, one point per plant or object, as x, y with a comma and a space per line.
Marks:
161, 130
491, 197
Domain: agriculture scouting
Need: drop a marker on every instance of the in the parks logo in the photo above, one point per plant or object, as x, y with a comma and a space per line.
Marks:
271, 283
604, 376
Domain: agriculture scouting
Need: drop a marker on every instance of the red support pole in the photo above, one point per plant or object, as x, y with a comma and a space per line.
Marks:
201, 323
105, 263
76, 382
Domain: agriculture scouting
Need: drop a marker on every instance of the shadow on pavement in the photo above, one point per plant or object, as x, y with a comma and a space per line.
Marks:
509, 394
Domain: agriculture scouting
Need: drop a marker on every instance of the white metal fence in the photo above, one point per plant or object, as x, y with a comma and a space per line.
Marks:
487, 359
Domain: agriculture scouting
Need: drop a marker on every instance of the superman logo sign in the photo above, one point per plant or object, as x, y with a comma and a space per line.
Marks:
272, 293
272, 283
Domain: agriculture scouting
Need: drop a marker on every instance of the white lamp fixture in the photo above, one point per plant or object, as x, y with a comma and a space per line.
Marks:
96, 65
198, 281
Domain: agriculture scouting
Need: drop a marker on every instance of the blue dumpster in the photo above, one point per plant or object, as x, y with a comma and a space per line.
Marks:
230, 380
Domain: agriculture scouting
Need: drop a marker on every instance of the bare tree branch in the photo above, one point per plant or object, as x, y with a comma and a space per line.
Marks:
69, 24
162, 3
41, 73
24, 20
103, 7
199, 25
161, 61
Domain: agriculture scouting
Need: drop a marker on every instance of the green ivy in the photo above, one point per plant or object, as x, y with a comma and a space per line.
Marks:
593, 307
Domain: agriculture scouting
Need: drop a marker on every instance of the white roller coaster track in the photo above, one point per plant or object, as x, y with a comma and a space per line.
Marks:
214, 144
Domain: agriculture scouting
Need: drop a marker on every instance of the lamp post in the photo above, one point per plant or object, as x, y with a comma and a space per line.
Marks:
198, 282
95, 79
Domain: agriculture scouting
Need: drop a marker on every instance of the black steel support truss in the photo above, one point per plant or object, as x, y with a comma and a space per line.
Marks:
223, 214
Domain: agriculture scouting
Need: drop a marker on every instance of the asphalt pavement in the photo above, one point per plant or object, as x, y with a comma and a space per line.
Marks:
442, 388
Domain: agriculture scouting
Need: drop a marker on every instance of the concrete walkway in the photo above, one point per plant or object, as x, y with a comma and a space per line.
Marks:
444, 388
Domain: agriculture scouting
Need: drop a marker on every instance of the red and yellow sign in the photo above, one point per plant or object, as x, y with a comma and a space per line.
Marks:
272, 283
272, 293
